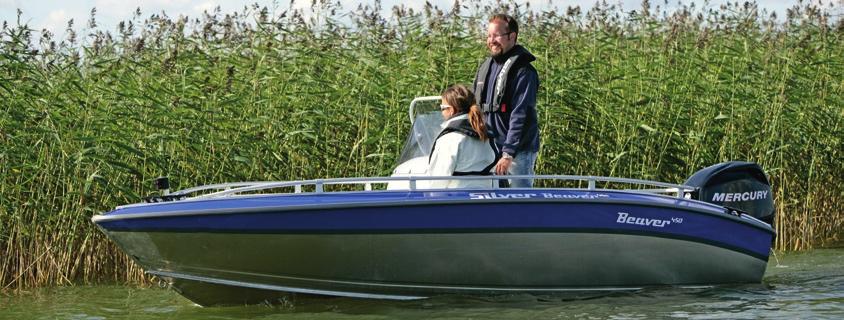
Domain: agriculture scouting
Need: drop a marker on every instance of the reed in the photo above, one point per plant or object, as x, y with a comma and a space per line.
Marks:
88, 121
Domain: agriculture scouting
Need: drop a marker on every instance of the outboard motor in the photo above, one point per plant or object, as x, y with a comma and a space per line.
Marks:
736, 185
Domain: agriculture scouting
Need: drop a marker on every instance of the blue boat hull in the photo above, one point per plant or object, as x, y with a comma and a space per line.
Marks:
406, 245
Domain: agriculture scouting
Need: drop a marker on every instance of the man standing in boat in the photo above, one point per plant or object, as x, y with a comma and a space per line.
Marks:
505, 86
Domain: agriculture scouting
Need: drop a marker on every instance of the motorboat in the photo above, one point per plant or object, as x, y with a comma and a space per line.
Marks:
394, 238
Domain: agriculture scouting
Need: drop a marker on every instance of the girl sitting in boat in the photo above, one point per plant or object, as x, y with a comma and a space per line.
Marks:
463, 147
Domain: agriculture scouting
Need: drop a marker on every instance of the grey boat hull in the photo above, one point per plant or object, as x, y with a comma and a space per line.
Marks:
224, 268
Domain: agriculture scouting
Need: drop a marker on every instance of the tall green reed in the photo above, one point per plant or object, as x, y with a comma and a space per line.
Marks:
89, 121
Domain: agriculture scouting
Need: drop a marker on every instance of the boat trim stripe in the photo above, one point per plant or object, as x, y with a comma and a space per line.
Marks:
375, 295
281, 288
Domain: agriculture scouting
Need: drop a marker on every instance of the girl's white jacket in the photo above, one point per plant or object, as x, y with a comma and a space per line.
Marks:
457, 152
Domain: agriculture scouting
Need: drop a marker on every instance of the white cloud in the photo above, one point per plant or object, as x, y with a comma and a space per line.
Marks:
9, 4
205, 6
57, 20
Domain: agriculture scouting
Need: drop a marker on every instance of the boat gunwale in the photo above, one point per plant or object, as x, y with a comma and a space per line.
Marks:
714, 210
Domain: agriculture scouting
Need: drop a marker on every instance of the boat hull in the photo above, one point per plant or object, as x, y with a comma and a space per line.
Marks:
397, 266
420, 249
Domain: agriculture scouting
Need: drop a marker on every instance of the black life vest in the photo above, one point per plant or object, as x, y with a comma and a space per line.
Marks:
496, 105
463, 127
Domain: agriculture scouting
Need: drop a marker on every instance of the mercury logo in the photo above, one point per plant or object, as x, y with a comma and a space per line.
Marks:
740, 196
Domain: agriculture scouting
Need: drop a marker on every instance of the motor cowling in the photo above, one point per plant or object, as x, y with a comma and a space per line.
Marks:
736, 185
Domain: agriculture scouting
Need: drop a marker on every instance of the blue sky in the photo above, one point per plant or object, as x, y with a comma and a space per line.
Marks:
53, 14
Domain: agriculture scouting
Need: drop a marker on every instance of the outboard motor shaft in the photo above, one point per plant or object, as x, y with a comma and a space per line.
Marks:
737, 185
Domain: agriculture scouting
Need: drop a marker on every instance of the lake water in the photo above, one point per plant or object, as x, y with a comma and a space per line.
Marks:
806, 285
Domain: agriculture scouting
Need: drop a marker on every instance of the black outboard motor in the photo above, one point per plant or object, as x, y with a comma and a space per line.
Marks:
736, 185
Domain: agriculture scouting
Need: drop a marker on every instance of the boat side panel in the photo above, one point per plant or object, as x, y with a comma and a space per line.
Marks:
481, 217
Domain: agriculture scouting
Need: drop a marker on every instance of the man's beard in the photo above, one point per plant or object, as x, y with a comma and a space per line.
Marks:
496, 50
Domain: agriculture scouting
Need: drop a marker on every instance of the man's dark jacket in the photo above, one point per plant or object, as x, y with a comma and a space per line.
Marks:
514, 122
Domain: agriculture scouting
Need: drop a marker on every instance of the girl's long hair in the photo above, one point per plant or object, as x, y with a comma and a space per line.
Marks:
463, 100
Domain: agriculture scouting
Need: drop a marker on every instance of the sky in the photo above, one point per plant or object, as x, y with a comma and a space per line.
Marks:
53, 15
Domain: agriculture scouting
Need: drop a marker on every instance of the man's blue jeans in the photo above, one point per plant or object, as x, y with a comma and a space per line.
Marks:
522, 165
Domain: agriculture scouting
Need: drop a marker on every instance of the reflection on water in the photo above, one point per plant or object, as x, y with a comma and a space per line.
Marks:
797, 285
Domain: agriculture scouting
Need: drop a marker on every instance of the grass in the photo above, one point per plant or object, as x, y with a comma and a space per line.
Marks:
88, 121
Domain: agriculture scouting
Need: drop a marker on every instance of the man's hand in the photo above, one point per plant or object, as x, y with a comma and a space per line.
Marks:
503, 165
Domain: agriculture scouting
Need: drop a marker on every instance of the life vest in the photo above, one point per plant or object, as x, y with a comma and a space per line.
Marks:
500, 84
463, 127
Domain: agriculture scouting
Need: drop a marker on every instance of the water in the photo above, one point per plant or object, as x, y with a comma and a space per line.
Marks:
807, 285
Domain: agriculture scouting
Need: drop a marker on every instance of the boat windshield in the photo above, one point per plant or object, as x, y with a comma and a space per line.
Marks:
426, 118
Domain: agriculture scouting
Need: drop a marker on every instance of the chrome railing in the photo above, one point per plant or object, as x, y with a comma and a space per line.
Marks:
368, 183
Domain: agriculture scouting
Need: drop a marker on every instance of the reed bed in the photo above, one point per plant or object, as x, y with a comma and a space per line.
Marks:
89, 120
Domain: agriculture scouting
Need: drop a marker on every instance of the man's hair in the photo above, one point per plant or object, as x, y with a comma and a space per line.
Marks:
512, 25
